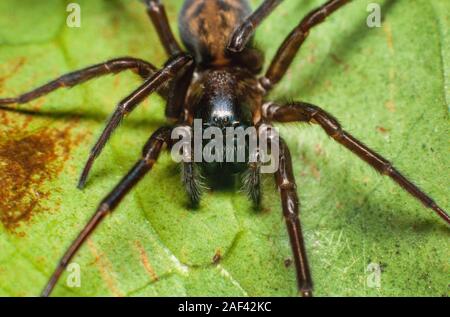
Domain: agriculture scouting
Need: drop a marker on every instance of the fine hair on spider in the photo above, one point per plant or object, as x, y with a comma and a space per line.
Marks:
216, 79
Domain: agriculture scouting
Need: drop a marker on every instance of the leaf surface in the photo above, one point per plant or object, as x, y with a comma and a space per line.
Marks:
389, 86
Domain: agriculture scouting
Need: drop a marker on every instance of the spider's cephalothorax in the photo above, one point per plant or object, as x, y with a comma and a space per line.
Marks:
224, 91
217, 80
223, 98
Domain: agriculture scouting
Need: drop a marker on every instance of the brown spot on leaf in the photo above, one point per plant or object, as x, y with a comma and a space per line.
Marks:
217, 257
389, 38
4, 119
146, 262
116, 82
382, 130
339, 61
318, 149
27, 162
105, 268
315, 172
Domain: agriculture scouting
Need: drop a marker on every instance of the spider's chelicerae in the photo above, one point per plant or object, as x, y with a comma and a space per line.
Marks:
217, 80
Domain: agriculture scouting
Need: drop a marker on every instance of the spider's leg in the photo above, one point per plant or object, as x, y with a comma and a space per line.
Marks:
246, 29
170, 70
179, 86
299, 111
141, 67
177, 94
150, 154
157, 13
285, 180
192, 181
251, 182
288, 50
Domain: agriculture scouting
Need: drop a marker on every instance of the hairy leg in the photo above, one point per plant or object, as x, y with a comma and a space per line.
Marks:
169, 71
177, 94
288, 190
245, 31
72, 79
304, 112
150, 154
157, 13
251, 182
291, 45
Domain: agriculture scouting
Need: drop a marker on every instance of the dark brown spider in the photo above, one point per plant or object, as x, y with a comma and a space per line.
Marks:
217, 81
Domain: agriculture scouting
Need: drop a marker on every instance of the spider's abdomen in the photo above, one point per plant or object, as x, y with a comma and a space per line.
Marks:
206, 27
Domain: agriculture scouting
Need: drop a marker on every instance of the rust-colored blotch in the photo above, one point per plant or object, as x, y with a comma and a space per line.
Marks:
26, 163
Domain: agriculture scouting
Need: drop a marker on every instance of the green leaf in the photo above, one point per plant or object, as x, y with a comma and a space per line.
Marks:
389, 86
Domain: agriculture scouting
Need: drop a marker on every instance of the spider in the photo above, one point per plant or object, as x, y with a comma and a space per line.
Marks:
217, 80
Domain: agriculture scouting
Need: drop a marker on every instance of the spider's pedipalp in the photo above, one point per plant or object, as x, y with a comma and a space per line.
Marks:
251, 183
193, 182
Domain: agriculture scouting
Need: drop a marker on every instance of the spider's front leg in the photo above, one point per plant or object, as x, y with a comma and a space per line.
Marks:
72, 79
303, 112
289, 199
244, 32
285, 181
292, 44
157, 13
287, 187
169, 71
150, 154
179, 86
